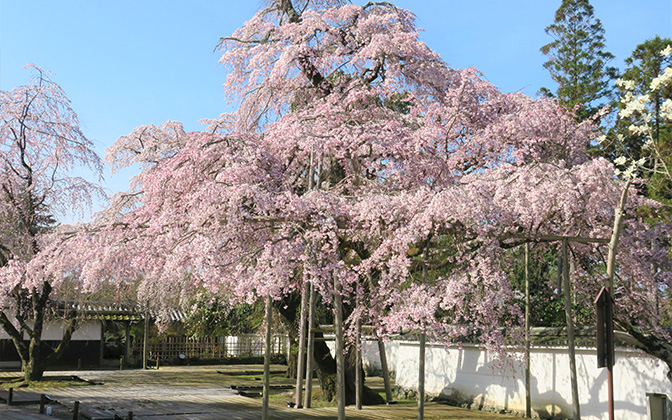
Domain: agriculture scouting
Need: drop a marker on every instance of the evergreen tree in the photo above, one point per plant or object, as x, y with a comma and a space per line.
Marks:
577, 59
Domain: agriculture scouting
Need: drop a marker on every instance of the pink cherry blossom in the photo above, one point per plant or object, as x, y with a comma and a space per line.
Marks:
352, 144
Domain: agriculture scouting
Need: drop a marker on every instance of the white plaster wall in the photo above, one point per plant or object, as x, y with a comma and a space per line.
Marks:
87, 331
474, 373
371, 355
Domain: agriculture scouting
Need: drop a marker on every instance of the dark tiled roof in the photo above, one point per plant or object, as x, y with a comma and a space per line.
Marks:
119, 311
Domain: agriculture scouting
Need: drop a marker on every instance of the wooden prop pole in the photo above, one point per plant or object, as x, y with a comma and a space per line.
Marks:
267, 360
302, 345
340, 356
310, 352
570, 332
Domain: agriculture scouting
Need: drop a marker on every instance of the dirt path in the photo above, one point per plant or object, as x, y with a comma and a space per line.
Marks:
201, 393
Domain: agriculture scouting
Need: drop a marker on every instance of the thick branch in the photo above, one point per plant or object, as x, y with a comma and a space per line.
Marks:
288, 7
18, 314
70, 328
39, 304
613, 243
15, 335
647, 342
313, 75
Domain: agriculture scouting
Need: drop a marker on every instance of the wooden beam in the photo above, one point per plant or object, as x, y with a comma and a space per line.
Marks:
578, 239
558, 238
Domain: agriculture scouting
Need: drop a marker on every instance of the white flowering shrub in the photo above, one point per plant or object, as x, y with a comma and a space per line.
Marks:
641, 110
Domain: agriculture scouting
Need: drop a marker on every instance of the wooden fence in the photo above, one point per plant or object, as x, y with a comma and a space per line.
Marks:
248, 345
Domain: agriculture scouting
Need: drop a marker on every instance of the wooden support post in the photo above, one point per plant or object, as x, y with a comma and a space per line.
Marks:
359, 382
302, 345
560, 270
267, 359
43, 402
421, 377
127, 344
10, 396
310, 352
423, 342
75, 411
340, 349
385, 369
102, 343
528, 398
570, 332
130, 415
145, 341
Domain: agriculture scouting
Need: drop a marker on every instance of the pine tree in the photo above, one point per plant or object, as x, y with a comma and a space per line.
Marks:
578, 59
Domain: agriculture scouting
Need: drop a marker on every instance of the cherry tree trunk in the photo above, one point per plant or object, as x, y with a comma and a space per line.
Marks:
33, 368
326, 374
325, 365
34, 354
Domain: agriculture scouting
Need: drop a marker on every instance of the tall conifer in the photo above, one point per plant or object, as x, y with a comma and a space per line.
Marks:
577, 59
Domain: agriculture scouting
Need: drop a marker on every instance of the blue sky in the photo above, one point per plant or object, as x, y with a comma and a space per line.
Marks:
126, 63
